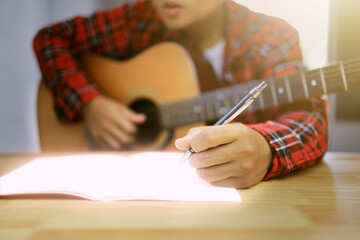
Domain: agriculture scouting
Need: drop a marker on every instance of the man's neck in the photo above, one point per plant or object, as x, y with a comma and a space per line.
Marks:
207, 32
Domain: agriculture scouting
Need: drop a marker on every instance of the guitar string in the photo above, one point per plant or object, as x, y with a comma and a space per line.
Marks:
154, 118
331, 73
329, 78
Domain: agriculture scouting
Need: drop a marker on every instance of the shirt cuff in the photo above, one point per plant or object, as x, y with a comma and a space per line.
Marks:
281, 147
71, 100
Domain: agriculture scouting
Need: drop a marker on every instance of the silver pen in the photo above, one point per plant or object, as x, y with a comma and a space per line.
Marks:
235, 111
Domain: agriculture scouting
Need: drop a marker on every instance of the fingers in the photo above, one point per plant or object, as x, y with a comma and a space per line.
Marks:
215, 173
126, 119
203, 138
110, 141
111, 123
121, 137
184, 142
233, 182
134, 117
225, 175
228, 175
211, 157
217, 135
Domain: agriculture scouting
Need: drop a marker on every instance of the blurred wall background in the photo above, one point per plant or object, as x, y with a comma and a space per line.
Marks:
19, 74
344, 43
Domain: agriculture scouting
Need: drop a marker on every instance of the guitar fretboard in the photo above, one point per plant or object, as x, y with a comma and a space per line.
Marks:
213, 105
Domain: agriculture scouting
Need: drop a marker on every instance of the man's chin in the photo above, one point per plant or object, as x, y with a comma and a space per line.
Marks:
175, 25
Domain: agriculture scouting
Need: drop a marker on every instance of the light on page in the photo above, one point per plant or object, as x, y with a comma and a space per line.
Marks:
107, 177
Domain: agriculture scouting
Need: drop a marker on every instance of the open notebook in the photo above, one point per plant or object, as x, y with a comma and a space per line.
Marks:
107, 177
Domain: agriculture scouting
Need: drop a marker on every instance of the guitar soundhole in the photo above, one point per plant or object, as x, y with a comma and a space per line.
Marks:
150, 130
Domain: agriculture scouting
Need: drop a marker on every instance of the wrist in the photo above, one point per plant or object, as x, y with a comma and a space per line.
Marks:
87, 106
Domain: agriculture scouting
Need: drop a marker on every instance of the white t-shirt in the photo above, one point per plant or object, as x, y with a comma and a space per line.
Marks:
215, 56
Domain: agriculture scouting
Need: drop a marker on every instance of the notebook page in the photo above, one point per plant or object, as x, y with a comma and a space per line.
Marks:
109, 177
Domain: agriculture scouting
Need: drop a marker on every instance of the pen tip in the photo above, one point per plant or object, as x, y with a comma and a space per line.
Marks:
185, 156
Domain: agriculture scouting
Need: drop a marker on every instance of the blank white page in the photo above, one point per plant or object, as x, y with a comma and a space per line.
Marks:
108, 177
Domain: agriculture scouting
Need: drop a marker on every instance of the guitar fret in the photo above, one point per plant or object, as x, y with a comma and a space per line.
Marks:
200, 109
173, 113
239, 93
273, 93
203, 110
168, 122
288, 89
343, 76
232, 96
236, 97
267, 96
212, 105
195, 111
215, 106
261, 101
177, 115
296, 87
313, 80
323, 80
219, 105
178, 112
189, 116
334, 79
191, 112
209, 107
227, 101
251, 106
188, 111
246, 89
306, 90
352, 69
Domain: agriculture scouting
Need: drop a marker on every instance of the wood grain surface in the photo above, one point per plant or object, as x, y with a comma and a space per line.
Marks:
322, 202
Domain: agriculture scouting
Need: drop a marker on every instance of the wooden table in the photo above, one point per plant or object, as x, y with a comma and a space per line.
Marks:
320, 203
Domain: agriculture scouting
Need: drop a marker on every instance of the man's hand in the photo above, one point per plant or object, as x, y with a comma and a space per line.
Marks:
230, 155
110, 123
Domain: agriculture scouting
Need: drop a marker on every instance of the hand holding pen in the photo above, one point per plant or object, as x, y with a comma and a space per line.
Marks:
235, 111
234, 155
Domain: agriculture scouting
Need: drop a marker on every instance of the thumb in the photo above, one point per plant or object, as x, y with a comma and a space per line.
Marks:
135, 117
184, 143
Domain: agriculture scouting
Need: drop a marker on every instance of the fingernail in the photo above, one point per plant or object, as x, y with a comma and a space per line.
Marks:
180, 139
143, 116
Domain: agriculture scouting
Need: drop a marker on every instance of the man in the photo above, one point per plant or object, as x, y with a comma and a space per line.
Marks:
240, 44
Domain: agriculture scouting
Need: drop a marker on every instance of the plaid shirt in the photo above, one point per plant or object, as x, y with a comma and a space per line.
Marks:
257, 47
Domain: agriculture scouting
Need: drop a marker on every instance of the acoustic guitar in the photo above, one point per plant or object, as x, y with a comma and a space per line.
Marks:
162, 83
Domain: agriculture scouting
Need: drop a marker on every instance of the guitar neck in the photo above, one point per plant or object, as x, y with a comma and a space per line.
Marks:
297, 87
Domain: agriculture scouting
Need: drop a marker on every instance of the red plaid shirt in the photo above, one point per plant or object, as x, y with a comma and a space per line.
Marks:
257, 47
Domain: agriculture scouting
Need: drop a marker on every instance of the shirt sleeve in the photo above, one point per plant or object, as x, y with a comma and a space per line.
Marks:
57, 48
297, 133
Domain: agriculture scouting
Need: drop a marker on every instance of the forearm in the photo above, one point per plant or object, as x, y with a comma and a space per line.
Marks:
58, 48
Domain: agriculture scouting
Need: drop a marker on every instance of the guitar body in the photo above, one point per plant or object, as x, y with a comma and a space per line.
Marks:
164, 80
162, 74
